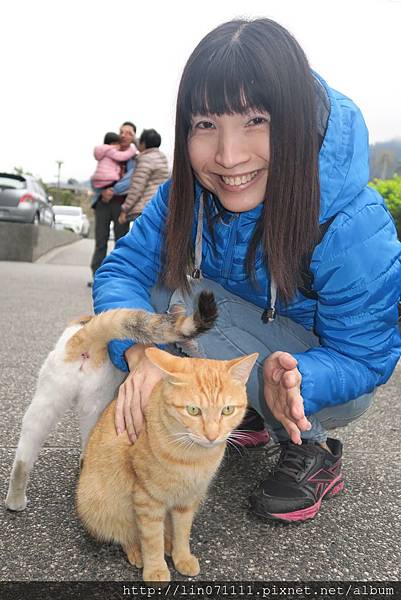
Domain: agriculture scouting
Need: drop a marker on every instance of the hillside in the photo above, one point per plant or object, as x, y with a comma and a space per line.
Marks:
385, 159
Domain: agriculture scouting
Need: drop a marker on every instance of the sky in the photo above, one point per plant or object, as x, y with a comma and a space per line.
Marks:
71, 70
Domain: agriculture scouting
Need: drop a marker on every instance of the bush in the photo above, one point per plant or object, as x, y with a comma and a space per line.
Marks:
390, 189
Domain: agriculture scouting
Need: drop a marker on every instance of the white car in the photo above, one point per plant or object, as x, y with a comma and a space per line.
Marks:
71, 217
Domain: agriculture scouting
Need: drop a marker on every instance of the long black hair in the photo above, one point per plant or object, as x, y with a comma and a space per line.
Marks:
240, 65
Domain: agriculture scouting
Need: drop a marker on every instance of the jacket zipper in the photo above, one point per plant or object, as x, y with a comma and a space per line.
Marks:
230, 246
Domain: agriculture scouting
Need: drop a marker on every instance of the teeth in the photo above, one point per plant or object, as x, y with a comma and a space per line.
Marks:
239, 180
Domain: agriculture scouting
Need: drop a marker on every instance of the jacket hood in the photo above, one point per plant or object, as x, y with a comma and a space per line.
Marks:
344, 154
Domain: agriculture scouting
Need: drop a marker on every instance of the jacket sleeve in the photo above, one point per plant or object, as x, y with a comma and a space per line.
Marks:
128, 274
99, 151
358, 281
122, 185
139, 183
122, 155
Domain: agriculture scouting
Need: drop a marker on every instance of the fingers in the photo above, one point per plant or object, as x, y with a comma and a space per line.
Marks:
287, 406
135, 414
287, 361
276, 375
294, 410
290, 379
277, 363
281, 411
119, 410
293, 431
128, 412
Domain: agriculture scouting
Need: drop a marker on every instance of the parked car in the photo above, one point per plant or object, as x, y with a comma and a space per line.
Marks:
23, 199
73, 218
86, 226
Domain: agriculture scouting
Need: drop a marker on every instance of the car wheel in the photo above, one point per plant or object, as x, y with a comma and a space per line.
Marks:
36, 219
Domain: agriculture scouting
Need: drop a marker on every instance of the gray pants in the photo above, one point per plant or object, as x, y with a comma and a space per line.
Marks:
239, 330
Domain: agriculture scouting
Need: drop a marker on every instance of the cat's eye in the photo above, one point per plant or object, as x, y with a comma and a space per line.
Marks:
227, 410
194, 411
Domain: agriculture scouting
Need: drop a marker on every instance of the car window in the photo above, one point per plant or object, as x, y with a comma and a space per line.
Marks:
40, 189
12, 183
34, 186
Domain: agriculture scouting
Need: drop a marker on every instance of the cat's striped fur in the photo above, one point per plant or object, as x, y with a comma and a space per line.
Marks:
144, 496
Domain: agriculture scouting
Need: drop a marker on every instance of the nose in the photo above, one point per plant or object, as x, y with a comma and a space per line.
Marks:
212, 432
231, 150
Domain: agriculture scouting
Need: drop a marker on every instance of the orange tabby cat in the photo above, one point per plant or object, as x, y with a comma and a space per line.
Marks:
144, 496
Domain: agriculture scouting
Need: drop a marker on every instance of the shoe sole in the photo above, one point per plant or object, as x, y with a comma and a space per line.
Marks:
336, 486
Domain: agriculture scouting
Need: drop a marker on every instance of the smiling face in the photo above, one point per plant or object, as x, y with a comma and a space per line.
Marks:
229, 154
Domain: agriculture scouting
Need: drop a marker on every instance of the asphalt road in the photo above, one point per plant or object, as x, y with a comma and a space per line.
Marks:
356, 536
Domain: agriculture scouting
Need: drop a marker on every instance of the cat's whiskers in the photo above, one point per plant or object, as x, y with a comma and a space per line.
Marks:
181, 440
232, 445
178, 439
204, 442
241, 435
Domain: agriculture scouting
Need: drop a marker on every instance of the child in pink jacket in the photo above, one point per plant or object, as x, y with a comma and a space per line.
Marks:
109, 157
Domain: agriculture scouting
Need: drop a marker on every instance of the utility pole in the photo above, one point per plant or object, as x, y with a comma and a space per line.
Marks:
59, 163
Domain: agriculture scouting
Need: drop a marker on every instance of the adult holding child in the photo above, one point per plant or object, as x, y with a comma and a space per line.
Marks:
107, 200
269, 201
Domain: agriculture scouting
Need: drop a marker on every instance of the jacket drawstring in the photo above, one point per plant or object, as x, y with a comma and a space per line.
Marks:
197, 273
269, 313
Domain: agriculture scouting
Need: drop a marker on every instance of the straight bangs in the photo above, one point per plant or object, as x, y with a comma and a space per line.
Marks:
224, 82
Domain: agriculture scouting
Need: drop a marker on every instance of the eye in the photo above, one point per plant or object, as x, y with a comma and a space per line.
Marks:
228, 410
258, 121
203, 125
194, 411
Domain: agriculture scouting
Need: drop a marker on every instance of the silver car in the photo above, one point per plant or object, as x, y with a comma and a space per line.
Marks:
23, 199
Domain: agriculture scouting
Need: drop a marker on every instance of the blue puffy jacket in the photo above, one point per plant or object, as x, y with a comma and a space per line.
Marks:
356, 269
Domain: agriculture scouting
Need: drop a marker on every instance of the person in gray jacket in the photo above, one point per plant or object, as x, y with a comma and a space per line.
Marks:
151, 171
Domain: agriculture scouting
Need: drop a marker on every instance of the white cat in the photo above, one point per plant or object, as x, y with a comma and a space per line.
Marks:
78, 374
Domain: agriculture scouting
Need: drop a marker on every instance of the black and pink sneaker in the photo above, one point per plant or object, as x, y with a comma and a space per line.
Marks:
251, 432
303, 476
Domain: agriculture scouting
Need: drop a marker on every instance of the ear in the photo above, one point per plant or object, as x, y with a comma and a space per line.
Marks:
166, 362
240, 368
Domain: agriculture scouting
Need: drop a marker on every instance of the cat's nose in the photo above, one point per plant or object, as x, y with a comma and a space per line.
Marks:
212, 436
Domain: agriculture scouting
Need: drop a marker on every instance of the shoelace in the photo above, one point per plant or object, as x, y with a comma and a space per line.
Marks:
290, 461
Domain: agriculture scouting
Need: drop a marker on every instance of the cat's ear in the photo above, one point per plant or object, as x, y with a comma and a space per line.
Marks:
168, 363
240, 368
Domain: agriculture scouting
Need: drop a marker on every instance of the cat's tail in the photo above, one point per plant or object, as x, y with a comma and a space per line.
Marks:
143, 327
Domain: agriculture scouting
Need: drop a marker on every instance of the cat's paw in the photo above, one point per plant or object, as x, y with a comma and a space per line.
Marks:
152, 574
16, 501
188, 565
134, 556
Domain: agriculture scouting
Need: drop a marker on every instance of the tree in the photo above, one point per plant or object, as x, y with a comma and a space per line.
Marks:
390, 189
21, 171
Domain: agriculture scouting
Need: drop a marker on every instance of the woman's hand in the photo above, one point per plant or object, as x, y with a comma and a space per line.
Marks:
134, 393
282, 388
